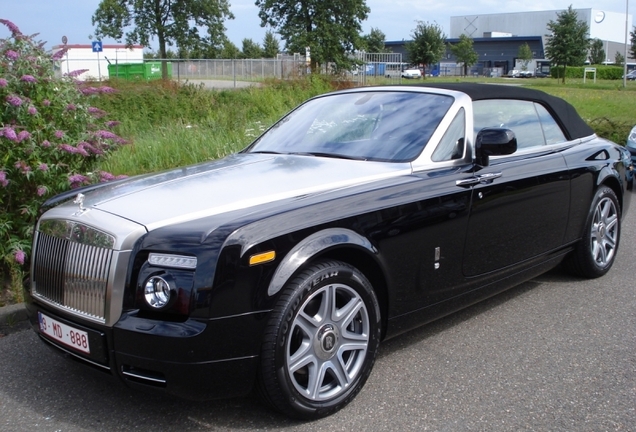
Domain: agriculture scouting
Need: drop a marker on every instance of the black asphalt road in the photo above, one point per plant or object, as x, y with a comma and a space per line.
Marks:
555, 354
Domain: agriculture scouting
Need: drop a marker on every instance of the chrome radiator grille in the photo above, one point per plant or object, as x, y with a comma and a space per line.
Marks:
71, 273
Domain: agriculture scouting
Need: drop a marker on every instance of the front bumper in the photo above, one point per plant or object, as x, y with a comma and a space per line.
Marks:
192, 360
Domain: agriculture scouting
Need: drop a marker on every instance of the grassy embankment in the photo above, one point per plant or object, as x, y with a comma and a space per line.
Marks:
170, 125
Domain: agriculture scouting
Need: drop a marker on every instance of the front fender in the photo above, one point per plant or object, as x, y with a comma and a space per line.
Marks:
309, 247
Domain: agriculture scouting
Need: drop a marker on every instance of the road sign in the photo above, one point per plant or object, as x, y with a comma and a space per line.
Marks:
97, 46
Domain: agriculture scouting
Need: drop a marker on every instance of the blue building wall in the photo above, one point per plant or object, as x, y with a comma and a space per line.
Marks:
497, 52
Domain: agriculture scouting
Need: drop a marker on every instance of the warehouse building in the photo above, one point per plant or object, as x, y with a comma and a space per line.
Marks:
497, 38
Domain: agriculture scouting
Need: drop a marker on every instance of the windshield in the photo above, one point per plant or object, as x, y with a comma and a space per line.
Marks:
378, 126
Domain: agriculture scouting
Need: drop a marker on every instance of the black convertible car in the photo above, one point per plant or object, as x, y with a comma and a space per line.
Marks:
358, 216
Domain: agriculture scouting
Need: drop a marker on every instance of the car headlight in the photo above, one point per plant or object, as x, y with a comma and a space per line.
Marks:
159, 291
173, 261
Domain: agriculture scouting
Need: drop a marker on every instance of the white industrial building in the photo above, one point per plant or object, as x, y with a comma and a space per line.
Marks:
605, 25
79, 57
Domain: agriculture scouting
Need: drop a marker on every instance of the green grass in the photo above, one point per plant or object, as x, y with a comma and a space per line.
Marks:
173, 125
605, 105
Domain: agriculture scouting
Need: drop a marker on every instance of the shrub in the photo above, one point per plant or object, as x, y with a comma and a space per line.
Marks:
50, 138
603, 72
613, 130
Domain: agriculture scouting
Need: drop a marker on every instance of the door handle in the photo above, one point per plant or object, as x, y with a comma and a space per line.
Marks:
488, 178
479, 179
467, 182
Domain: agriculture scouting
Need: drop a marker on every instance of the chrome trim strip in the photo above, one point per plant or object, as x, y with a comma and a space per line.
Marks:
124, 232
77, 232
260, 311
73, 354
424, 161
142, 377
115, 290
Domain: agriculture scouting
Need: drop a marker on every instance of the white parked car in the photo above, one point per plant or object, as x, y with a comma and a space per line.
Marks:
412, 73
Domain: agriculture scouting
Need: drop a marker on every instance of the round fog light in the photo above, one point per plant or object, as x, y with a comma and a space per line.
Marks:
157, 292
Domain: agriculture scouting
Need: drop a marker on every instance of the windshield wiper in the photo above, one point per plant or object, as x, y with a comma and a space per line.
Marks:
329, 155
266, 152
315, 154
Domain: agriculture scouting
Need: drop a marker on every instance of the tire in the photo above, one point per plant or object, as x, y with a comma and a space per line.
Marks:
595, 253
320, 342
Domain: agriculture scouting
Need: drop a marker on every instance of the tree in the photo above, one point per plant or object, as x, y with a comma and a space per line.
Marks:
569, 40
271, 47
632, 51
183, 53
597, 53
525, 56
428, 44
173, 22
374, 41
251, 49
330, 28
205, 51
464, 52
229, 50
619, 59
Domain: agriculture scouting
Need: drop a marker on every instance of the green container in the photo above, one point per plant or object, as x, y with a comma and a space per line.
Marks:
152, 70
137, 71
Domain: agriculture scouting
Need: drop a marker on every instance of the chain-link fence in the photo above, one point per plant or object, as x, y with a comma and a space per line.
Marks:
377, 68
238, 69
455, 70
371, 68
282, 67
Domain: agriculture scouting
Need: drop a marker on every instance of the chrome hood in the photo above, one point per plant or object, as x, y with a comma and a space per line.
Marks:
236, 182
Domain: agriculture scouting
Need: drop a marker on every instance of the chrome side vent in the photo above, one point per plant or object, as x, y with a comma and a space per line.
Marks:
69, 271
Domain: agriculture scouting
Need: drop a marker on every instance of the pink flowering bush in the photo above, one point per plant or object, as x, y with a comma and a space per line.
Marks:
50, 140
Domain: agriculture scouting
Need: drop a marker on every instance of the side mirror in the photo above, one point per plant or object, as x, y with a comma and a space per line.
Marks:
494, 142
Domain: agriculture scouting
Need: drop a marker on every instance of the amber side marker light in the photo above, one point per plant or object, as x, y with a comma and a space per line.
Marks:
262, 258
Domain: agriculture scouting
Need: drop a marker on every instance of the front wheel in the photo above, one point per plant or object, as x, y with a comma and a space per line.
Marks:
595, 254
320, 342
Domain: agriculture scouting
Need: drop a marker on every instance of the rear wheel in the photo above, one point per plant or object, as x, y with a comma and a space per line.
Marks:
595, 254
321, 341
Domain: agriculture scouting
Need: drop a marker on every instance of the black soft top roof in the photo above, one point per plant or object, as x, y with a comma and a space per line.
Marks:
572, 124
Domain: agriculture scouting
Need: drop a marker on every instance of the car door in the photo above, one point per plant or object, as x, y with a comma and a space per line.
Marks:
520, 210
435, 248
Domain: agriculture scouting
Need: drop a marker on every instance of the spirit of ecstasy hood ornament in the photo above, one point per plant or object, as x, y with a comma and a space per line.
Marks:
79, 199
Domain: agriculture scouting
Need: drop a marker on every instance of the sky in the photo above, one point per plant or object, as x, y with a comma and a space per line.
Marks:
53, 19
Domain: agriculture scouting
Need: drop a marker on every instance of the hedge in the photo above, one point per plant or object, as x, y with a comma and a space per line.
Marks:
603, 72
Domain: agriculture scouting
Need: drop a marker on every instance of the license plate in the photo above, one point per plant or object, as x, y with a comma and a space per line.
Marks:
63, 333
